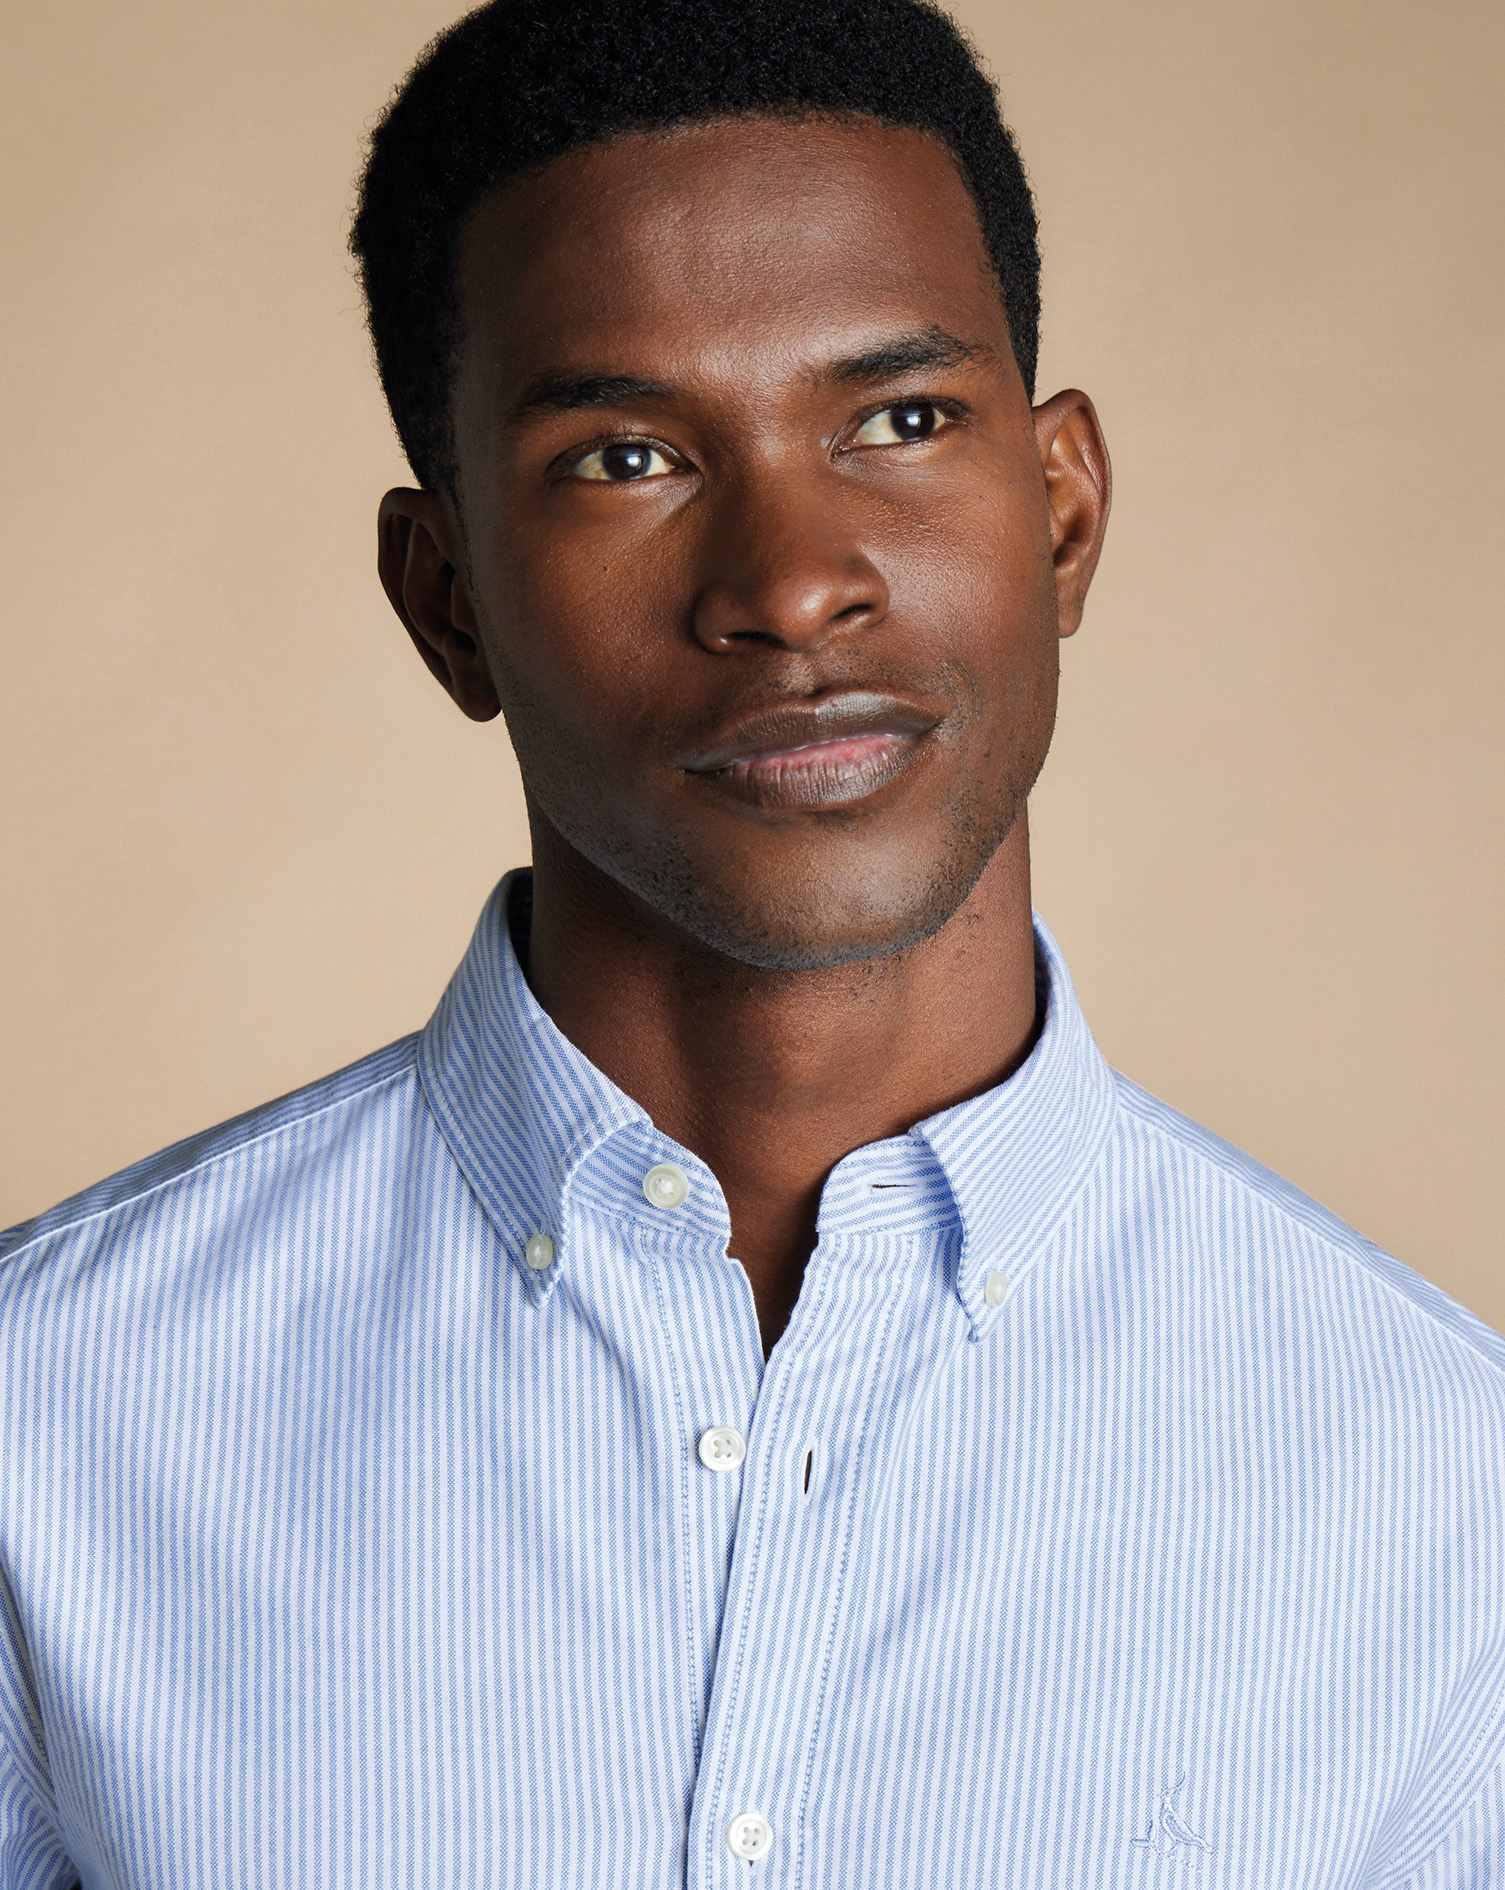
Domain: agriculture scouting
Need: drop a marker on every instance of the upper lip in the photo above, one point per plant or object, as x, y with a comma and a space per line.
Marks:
799, 725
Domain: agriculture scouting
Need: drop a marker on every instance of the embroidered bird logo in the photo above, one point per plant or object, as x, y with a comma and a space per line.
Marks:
1168, 1830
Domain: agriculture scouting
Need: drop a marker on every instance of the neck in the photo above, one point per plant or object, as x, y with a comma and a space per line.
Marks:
771, 1077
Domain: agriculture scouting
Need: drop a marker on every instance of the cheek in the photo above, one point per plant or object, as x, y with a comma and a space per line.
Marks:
574, 666
976, 576
590, 612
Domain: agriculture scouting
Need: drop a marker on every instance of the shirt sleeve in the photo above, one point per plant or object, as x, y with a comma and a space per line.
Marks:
32, 1856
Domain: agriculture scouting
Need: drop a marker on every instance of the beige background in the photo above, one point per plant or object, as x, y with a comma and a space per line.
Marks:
245, 838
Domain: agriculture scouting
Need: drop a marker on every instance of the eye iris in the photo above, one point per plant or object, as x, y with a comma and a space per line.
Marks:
626, 462
912, 423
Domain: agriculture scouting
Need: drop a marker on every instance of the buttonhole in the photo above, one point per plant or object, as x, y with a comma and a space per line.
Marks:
892, 1184
807, 1473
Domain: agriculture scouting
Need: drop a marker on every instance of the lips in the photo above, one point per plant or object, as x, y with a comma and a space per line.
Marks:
810, 755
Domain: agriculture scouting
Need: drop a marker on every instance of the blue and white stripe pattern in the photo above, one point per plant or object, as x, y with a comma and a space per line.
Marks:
339, 1546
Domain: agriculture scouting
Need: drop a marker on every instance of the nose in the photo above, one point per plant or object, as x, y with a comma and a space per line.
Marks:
782, 566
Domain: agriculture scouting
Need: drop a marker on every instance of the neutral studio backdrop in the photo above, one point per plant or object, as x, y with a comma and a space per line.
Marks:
244, 837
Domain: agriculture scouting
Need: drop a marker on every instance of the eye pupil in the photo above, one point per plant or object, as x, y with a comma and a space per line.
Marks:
913, 423
625, 462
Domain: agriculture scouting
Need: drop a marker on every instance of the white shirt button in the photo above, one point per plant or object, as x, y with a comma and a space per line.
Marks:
539, 1252
996, 1288
750, 1835
666, 1186
722, 1448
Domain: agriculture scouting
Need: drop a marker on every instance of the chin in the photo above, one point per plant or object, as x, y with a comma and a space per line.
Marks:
810, 902
811, 919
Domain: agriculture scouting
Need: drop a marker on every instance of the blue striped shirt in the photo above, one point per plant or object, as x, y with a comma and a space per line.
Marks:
1108, 1513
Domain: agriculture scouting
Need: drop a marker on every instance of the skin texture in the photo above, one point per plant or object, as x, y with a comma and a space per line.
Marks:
844, 526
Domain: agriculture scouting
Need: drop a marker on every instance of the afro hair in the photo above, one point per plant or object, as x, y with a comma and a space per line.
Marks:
520, 82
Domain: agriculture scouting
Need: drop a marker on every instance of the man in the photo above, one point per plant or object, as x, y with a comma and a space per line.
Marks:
746, 1389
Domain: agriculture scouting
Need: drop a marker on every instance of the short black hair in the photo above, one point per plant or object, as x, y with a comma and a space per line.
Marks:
520, 82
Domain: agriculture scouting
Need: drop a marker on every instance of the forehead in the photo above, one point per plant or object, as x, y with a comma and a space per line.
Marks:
748, 234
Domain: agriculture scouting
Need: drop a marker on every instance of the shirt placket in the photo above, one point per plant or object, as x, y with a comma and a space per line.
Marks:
811, 1465
715, 1359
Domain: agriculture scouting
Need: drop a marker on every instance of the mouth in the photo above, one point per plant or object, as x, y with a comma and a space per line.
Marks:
824, 754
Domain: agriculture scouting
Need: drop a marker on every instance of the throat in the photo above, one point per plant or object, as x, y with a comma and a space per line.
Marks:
772, 1077
774, 1249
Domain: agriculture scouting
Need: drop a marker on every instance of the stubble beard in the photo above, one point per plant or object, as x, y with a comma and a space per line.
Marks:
803, 926
796, 929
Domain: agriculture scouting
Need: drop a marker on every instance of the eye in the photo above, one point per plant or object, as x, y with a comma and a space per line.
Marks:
895, 426
621, 462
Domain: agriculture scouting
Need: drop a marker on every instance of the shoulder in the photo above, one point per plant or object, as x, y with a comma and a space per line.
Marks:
1262, 1219
1368, 1408
262, 1153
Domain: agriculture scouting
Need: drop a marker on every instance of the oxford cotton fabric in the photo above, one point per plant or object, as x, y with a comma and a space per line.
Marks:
342, 1548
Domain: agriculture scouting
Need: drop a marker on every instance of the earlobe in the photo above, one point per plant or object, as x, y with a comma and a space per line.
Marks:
418, 554
1079, 492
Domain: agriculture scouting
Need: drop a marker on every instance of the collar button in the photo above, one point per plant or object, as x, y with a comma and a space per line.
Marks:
666, 1186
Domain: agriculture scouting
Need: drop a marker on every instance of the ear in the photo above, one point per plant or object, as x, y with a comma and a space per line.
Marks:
1079, 491
420, 558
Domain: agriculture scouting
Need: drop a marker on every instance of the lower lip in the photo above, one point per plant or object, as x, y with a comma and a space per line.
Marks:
822, 774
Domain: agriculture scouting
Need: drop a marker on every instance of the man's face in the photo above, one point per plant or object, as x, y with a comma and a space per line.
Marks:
757, 537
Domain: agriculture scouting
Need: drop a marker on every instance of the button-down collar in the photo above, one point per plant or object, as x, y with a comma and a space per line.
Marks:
309, 1499
537, 1128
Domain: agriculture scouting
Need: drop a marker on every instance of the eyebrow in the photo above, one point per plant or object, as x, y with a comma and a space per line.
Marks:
933, 347
568, 393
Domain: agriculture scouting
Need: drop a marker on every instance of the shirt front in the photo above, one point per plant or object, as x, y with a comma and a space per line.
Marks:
393, 1492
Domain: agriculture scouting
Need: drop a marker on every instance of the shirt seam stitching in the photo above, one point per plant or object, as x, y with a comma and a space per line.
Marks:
1397, 1877
37, 1816
31, 1702
429, 1068
437, 1105
1047, 1232
237, 1147
739, 1655
1358, 1252
686, 1543
829, 1655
